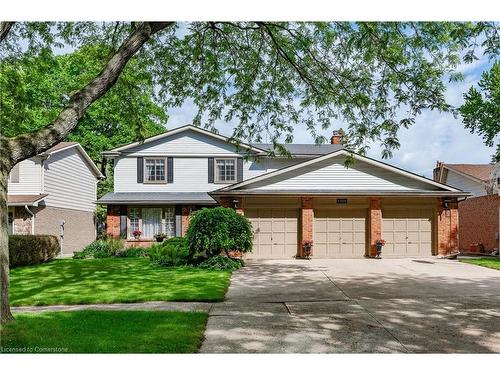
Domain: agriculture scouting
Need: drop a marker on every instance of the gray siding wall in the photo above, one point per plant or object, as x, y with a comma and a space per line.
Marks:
79, 227
69, 182
30, 178
466, 184
332, 174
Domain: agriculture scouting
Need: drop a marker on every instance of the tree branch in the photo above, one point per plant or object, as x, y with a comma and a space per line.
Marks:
28, 145
4, 29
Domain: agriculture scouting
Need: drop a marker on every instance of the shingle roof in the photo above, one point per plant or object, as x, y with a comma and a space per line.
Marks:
61, 145
479, 171
24, 199
303, 148
157, 198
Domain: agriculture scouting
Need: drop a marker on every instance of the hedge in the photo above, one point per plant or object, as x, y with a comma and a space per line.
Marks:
26, 250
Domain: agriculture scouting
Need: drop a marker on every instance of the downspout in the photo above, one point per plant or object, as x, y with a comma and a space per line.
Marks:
32, 218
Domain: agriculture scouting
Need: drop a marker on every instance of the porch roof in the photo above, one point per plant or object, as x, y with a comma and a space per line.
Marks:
24, 199
144, 198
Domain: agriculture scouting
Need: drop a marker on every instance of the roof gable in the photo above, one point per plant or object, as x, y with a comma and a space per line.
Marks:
475, 172
154, 144
62, 146
328, 173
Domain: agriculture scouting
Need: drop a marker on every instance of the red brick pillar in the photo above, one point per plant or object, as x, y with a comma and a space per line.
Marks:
185, 212
447, 228
113, 221
306, 219
375, 219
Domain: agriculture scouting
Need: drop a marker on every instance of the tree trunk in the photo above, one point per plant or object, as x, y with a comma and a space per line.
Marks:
14, 150
5, 314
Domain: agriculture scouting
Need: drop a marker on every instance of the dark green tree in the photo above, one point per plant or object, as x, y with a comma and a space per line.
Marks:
481, 110
267, 76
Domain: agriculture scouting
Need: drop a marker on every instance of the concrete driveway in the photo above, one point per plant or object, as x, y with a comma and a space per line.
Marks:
352, 306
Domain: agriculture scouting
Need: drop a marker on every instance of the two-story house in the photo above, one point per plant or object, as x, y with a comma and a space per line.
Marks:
311, 196
55, 193
479, 215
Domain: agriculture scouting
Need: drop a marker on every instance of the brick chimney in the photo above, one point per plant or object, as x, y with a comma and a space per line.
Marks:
336, 138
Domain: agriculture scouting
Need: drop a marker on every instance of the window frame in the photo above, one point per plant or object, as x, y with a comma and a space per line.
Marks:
145, 174
130, 236
216, 172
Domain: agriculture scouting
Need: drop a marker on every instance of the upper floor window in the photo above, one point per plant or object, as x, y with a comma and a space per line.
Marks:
225, 170
155, 170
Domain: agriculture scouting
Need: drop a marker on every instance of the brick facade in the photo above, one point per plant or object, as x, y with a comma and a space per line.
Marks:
447, 228
186, 212
307, 221
113, 221
479, 222
375, 223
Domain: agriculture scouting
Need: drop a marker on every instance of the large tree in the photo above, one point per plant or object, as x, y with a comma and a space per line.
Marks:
267, 77
481, 110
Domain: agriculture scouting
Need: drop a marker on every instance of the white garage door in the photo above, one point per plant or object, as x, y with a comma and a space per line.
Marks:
275, 232
407, 233
339, 233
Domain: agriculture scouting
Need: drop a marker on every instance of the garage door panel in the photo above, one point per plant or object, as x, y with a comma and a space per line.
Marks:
407, 232
343, 236
275, 232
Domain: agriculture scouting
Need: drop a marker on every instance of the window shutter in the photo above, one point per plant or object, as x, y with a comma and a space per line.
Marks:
239, 170
170, 170
210, 170
123, 221
14, 173
140, 170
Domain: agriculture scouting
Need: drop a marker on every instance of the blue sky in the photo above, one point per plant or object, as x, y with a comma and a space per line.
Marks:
434, 136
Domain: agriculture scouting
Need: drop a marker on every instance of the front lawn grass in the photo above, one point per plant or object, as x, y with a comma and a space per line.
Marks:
485, 262
104, 332
113, 280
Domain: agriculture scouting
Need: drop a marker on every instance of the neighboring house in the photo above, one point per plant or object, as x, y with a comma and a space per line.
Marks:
479, 214
311, 196
55, 193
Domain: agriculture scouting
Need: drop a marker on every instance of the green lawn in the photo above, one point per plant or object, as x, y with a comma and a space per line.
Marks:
485, 262
112, 280
104, 332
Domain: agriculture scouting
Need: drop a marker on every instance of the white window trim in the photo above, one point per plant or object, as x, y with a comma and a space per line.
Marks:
145, 180
216, 172
130, 236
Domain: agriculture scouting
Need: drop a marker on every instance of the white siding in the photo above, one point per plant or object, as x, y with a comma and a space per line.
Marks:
188, 143
190, 175
466, 184
333, 175
30, 172
69, 182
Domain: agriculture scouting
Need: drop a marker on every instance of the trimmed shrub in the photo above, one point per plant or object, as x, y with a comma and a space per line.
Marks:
27, 250
220, 262
213, 231
170, 253
101, 249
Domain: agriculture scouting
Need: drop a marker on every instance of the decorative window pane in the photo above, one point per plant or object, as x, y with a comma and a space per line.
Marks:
133, 216
170, 222
155, 170
151, 222
226, 170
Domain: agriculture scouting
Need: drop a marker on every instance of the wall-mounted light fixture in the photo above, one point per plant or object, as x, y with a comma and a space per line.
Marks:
446, 203
235, 203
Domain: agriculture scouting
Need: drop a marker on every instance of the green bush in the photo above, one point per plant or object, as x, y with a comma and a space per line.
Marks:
220, 262
213, 231
26, 250
101, 249
170, 253
134, 252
